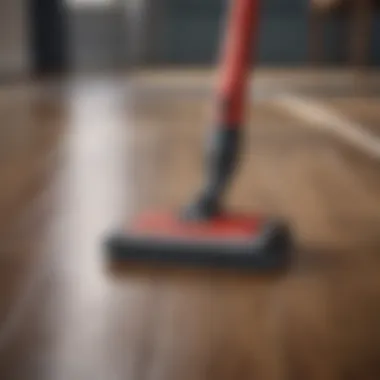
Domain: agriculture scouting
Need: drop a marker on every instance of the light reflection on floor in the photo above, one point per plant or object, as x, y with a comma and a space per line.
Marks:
95, 198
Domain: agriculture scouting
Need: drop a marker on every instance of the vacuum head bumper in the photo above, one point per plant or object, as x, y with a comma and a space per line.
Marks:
226, 242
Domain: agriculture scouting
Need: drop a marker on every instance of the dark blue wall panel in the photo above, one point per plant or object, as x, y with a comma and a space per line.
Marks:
192, 32
192, 40
283, 40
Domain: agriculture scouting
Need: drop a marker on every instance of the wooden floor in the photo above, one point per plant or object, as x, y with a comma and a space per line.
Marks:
79, 158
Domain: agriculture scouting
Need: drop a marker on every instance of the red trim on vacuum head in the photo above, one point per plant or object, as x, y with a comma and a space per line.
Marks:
223, 228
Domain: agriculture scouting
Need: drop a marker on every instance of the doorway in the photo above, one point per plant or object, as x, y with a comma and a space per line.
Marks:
49, 37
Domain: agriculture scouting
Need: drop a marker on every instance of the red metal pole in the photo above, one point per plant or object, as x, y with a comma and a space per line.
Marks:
240, 41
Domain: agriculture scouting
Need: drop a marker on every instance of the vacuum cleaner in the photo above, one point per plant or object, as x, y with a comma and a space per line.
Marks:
203, 233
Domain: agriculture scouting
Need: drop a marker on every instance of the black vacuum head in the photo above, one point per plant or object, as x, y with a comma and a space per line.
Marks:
226, 242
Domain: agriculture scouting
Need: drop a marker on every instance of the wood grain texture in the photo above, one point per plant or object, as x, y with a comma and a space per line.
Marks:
90, 157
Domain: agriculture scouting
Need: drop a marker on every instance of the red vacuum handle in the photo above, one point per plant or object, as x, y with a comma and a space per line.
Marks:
223, 152
236, 59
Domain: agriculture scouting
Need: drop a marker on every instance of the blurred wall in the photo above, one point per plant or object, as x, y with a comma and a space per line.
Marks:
121, 34
97, 37
169, 32
189, 32
14, 44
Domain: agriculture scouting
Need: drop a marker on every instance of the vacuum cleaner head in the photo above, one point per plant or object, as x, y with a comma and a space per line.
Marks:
204, 238
227, 241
